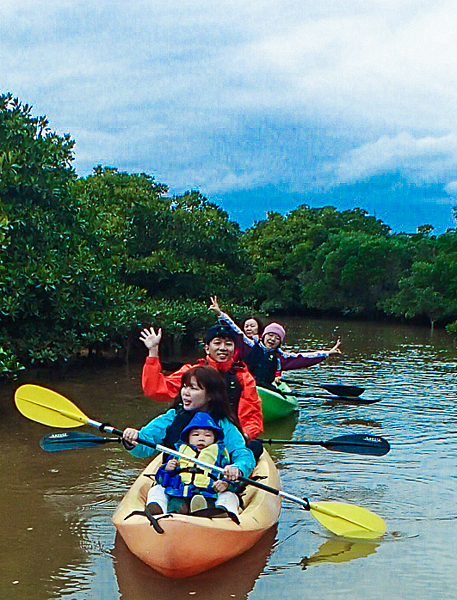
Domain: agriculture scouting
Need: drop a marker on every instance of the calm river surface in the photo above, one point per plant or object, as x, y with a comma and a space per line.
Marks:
57, 536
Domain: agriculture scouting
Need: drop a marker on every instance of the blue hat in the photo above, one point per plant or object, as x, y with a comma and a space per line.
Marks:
222, 331
202, 419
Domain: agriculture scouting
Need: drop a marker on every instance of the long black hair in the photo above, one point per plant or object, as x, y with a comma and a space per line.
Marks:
209, 379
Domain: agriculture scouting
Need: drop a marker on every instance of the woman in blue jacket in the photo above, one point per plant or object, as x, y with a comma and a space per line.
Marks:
203, 390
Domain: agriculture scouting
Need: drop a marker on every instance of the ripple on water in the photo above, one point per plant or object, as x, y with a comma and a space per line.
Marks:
413, 488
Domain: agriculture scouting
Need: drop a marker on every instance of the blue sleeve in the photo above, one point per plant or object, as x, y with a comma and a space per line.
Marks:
160, 474
235, 443
154, 432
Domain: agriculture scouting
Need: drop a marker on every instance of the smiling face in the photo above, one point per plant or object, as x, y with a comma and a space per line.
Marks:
201, 437
251, 328
220, 349
193, 396
271, 341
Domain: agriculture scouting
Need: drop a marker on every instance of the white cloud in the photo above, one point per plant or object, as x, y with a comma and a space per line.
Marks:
451, 188
383, 65
421, 160
232, 95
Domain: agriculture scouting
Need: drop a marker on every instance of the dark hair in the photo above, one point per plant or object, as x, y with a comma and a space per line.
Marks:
220, 331
209, 379
259, 322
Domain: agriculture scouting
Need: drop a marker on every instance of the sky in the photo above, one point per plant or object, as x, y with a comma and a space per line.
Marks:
261, 106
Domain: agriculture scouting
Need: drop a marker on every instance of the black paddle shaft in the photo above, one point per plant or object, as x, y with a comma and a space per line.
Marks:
353, 444
73, 441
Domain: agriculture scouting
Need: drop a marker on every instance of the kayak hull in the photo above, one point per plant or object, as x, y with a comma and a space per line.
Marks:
277, 405
191, 545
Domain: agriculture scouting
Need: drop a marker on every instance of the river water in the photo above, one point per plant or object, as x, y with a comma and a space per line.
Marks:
57, 536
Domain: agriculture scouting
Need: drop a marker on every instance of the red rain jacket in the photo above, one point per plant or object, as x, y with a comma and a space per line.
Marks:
163, 388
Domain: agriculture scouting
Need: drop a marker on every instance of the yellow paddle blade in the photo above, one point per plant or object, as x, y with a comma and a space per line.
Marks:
48, 407
348, 520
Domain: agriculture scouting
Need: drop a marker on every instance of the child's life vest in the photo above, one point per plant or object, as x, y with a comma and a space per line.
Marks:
188, 478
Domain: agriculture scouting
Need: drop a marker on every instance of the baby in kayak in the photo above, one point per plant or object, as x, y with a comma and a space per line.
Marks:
261, 350
194, 489
202, 390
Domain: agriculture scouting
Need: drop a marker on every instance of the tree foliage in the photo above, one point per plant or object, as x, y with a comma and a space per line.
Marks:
180, 247
319, 258
429, 288
350, 263
87, 261
59, 290
354, 272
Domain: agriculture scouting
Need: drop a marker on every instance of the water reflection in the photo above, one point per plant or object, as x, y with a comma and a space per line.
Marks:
339, 551
283, 428
359, 401
57, 507
234, 579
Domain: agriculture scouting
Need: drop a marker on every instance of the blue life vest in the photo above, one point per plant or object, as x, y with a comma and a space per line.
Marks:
190, 479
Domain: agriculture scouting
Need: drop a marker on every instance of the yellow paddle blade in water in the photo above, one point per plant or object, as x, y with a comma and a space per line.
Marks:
348, 520
48, 407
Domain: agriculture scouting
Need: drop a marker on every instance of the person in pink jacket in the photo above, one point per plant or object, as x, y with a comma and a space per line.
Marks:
263, 355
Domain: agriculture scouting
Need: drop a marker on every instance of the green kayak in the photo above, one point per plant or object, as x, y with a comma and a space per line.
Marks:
276, 405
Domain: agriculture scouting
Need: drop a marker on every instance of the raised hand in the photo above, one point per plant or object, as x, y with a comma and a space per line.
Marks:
151, 340
214, 306
336, 348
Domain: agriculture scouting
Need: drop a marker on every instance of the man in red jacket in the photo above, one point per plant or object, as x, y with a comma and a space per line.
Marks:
219, 349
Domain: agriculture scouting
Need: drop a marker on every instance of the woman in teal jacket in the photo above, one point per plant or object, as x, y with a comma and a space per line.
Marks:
203, 390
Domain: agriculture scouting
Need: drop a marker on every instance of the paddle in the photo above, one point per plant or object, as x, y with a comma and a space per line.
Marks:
355, 444
349, 399
343, 390
336, 390
50, 408
297, 394
73, 440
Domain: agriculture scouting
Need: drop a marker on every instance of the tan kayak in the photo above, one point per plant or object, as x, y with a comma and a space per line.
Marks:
191, 545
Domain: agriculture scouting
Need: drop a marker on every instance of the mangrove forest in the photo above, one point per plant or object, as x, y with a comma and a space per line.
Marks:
85, 262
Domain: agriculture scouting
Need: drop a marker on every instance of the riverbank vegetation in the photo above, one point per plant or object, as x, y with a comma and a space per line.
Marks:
86, 262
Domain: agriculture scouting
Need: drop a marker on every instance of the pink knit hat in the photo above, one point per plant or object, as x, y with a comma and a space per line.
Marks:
275, 328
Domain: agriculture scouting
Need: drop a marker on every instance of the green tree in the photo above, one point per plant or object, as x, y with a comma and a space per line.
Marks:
195, 252
59, 290
180, 247
268, 244
354, 272
430, 289
288, 253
